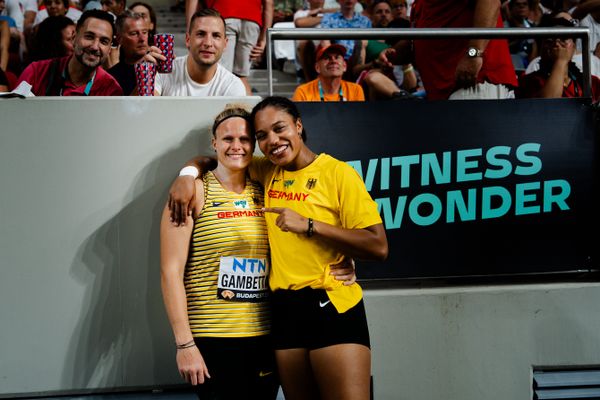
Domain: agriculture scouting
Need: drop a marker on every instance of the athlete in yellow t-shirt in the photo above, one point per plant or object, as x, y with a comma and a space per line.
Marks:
317, 208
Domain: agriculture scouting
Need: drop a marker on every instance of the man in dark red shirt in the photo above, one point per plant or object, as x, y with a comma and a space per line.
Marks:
80, 74
462, 68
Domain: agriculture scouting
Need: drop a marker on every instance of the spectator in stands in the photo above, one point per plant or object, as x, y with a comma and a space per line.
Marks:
6, 41
115, 7
9, 20
536, 11
376, 69
399, 10
199, 72
55, 8
53, 38
345, 18
284, 10
329, 85
335, 6
92, 5
381, 13
462, 68
588, 13
374, 63
79, 74
29, 15
247, 24
148, 14
4, 44
577, 58
557, 75
132, 38
521, 50
15, 10
306, 49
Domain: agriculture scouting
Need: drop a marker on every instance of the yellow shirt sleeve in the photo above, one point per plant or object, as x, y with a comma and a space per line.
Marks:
357, 209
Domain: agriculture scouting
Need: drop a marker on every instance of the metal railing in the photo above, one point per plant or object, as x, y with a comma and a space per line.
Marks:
428, 33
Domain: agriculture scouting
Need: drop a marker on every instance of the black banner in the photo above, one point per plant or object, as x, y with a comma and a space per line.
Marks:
471, 188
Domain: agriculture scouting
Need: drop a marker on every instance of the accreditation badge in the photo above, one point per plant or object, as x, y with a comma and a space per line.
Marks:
243, 279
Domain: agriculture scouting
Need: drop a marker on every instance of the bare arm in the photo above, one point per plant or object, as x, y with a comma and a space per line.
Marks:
174, 247
369, 243
553, 88
190, 8
4, 44
267, 22
360, 51
182, 194
410, 78
485, 16
28, 21
313, 19
585, 7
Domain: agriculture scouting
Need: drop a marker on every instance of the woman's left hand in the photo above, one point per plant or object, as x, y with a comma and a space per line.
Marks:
344, 271
288, 220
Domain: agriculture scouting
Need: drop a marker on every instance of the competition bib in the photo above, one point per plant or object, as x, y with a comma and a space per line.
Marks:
243, 279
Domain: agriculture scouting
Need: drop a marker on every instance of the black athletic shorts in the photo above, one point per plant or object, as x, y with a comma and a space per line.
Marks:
306, 319
239, 368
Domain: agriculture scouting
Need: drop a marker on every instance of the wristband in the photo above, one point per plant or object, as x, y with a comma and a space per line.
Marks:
187, 345
189, 171
408, 69
310, 230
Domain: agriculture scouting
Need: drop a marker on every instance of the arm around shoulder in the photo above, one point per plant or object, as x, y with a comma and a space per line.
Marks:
182, 193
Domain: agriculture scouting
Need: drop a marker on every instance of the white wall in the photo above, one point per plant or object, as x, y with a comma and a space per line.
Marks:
473, 343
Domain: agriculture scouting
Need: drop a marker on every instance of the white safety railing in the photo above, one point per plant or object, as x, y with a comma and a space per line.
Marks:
438, 33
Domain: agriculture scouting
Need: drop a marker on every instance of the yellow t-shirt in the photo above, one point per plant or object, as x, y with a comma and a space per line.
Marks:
310, 92
327, 190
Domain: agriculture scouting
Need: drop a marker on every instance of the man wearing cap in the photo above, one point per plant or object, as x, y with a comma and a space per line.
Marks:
80, 74
329, 86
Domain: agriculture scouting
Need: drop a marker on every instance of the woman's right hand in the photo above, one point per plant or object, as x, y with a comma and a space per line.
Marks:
182, 196
191, 365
